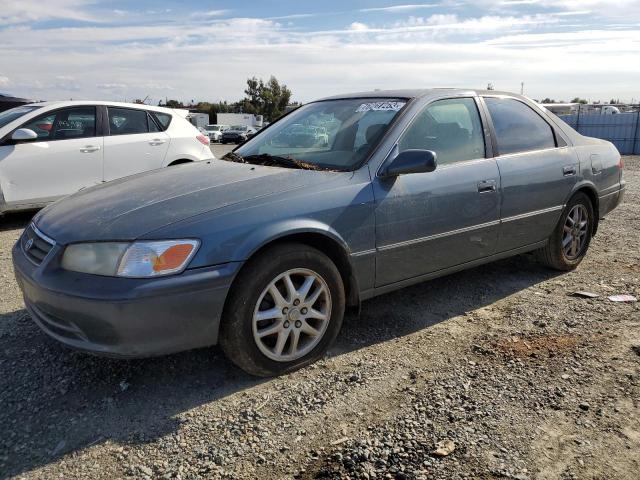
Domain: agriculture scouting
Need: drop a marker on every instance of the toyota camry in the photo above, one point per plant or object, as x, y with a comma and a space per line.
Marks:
264, 250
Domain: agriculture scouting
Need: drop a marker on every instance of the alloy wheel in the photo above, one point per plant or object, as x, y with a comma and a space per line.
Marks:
292, 315
574, 236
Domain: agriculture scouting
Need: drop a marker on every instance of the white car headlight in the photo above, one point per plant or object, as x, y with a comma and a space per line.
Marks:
134, 260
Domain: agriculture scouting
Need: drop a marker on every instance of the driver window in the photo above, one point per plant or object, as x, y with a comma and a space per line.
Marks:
68, 123
451, 128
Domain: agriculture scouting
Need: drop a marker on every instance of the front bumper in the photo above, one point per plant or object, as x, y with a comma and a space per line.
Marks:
124, 317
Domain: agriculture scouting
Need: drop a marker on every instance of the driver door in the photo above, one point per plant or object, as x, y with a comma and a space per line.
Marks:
66, 157
427, 222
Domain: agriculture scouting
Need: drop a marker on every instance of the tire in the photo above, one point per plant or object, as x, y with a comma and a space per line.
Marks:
242, 332
565, 258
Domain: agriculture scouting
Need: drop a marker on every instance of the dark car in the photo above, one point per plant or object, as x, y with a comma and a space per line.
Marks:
237, 134
263, 250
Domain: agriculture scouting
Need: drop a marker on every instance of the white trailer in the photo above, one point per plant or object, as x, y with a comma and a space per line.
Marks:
198, 119
247, 119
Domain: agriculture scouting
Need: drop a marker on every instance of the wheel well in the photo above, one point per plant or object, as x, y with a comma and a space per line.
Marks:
178, 162
331, 249
590, 192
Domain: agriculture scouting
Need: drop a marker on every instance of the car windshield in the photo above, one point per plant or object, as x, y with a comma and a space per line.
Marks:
213, 128
239, 128
325, 135
10, 115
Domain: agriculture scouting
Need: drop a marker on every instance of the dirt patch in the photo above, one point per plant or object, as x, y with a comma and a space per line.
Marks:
547, 345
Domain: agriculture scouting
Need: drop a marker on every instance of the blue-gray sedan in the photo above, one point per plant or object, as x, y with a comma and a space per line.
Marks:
264, 250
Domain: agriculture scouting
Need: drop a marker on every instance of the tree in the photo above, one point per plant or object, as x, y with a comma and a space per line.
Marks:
171, 104
579, 100
548, 100
268, 99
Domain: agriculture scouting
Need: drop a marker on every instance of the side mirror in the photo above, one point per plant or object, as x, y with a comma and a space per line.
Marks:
24, 135
410, 161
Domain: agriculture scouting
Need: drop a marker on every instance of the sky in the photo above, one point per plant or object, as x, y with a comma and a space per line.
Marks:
205, 50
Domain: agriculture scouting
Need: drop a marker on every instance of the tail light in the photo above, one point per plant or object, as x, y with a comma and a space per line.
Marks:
203, 139
621, 164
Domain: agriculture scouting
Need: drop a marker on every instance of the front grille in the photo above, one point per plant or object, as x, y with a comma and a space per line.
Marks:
36, 245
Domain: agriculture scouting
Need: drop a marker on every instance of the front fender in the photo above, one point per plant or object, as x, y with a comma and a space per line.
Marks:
275, 231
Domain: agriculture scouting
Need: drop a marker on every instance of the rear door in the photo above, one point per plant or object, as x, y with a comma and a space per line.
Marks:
66, 157
537, 169
430, 221
134, 143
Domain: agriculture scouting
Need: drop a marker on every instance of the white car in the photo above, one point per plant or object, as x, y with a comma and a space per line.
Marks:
52, 149
215, 131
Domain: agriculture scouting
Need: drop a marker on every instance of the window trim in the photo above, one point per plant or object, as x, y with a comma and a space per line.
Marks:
494, 137
98, 121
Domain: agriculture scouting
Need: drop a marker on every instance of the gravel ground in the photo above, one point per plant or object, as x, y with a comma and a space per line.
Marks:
496, 372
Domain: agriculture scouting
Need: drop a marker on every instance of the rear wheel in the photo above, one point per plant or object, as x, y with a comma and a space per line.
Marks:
284, 310
570, 240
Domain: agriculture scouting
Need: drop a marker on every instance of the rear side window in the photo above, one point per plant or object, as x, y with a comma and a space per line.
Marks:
64, 124
164, 119
127, 121
451, 128
518, 127
153, 127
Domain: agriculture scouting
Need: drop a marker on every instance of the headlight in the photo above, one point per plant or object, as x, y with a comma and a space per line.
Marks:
134, 260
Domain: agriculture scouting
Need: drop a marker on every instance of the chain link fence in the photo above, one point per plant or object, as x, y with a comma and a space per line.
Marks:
621, 129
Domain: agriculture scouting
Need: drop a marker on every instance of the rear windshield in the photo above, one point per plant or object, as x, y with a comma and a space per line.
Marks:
12, 114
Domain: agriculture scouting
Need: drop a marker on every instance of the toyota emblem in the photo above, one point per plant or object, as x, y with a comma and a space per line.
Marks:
29, 244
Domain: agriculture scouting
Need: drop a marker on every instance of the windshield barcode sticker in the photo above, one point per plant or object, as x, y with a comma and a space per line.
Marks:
380, 106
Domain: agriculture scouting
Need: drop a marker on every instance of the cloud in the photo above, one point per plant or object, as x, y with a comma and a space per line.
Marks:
358, 27
24, 11
210, 13
4, 81
400, 8
120, 59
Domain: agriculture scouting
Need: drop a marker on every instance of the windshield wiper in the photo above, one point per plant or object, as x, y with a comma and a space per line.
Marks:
268, 159
233, 157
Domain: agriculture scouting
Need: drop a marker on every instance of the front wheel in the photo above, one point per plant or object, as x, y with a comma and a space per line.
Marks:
570, 240
284, 310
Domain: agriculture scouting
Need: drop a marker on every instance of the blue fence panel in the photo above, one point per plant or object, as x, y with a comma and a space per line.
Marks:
623, 130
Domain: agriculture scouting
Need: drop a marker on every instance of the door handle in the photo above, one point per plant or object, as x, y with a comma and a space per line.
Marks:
157, 141
90, 149
568, 170
487, 186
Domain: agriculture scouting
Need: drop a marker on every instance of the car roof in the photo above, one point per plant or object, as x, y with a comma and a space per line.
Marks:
72, 103
417, 93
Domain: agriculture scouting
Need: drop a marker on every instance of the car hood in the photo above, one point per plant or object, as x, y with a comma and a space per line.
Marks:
128, 208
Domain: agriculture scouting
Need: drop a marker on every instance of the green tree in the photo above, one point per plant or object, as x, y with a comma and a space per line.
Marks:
268, 99
579, 100
171, 104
